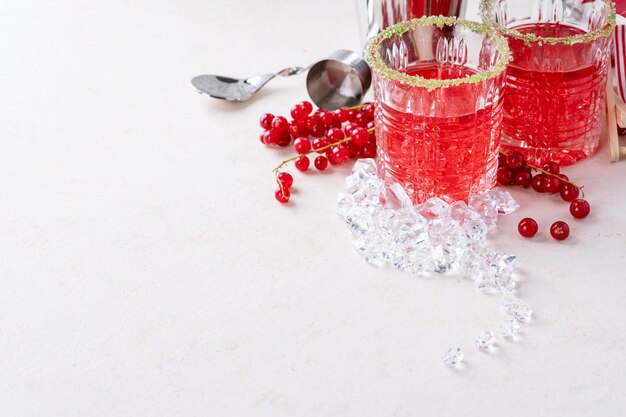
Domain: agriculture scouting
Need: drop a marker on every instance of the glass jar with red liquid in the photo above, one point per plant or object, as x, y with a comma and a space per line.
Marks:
555, 85
438, 84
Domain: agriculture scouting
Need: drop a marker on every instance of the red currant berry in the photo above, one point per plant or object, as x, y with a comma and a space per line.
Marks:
551, 167
280, 124
368, 151
282, 195
551, 184
502, 160
319, 143
369, 109
327, 118
537, 183
341, 115
515, 160
505, 175
579, 208
285, 179
527, 227
559, 230
302, 163
264, 137
343, 153
361, 119
284, 139
298, 112
315, 126
523, 178
569, 192
308, 107
334, 135
360, 136
321, 162
297, 128
349, 128
266, 121
302, 145
352, 115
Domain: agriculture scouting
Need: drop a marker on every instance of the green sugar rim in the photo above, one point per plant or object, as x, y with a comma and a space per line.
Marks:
603, 32
376, 63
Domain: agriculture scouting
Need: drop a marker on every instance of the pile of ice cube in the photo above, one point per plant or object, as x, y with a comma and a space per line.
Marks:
434, 236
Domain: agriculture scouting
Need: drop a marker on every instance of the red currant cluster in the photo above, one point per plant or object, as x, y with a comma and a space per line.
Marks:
336, 136
513, 169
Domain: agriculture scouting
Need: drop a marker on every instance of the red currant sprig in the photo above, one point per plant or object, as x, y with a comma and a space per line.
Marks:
513, 169
336, 136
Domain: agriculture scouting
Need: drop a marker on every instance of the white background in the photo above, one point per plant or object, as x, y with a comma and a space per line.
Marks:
146, 270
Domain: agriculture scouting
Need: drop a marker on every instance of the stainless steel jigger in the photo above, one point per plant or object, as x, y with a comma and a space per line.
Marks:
340, 80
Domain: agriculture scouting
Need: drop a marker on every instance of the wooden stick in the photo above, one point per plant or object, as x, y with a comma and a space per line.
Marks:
611, 121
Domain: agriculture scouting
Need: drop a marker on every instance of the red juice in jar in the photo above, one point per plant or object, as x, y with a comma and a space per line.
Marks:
554, 95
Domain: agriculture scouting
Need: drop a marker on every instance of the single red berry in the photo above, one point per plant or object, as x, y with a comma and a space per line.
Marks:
308, 107
298, 128
352, 115
282, 195
284, 139
551, 184
327, 118
551, 167
320, 162
342, 153
579, 208
298, 112
369, 109
515, 160
360, 136
527, 227
332, 157
319, 143
341, 115
302, 145
361, 119
264, 137
559, 230
280, 124
569, 192
349, 128
368, 151
537, 183
302, 163
505, 175
285, 179
523, 178
266, 121
334, 135
354, 149
502, 160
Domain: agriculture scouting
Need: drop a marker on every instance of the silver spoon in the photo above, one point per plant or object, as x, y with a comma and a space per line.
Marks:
237, 89
339, 80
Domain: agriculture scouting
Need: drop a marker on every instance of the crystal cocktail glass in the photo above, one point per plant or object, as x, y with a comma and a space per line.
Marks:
438, 84
555, 85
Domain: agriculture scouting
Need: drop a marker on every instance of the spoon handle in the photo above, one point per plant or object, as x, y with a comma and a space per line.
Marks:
287, 72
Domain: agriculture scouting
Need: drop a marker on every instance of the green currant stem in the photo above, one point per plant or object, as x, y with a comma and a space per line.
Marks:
543, 171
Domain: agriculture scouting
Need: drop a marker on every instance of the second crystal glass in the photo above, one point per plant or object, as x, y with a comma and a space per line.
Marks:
438, 84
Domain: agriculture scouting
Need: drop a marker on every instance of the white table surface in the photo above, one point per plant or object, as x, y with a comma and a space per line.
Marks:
146, 270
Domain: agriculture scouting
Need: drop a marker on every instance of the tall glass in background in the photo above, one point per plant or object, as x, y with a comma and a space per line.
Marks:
438, 84
555, 86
